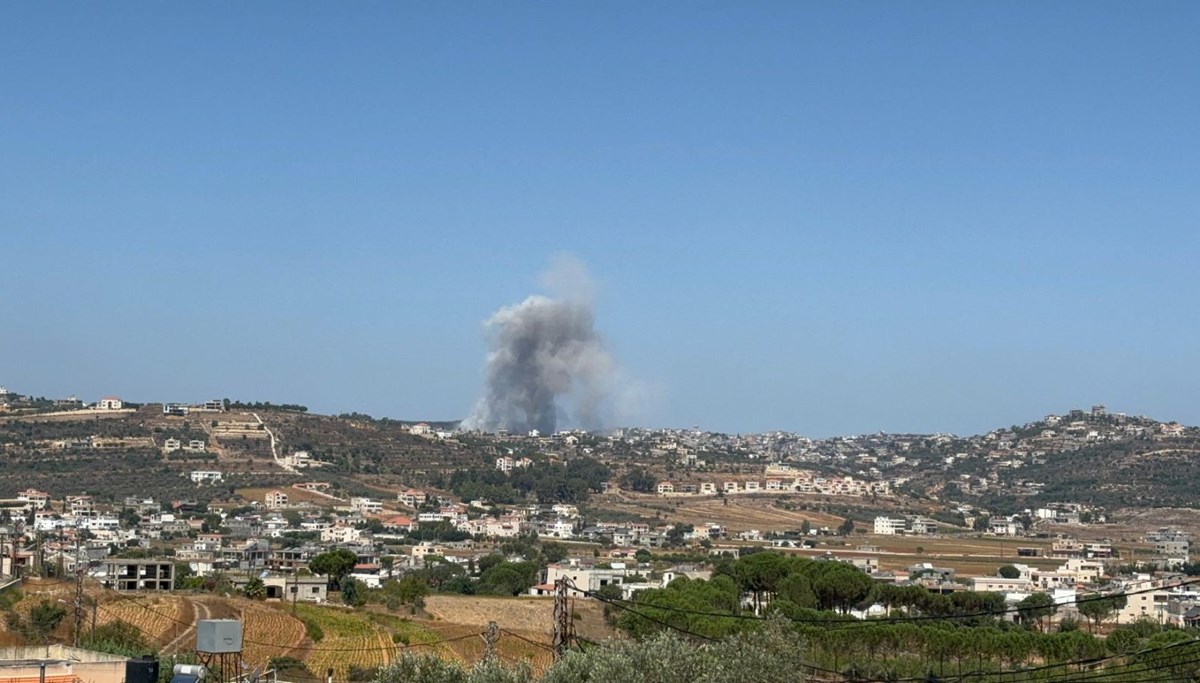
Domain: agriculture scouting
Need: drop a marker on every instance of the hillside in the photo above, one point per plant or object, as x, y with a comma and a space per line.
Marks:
1097, 458
320, 637
124, 454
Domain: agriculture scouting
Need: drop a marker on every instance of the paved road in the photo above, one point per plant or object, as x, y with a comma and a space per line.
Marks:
274, 452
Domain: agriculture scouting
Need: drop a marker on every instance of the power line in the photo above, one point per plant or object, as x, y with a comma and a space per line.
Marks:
1129, 668
544, 646
396, 646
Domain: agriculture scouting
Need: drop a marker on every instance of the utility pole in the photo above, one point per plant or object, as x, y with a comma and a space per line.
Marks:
80, 566
490, 636
562, 618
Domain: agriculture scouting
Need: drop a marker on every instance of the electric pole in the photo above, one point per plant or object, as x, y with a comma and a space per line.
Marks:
80, 566
490, 636
562, 619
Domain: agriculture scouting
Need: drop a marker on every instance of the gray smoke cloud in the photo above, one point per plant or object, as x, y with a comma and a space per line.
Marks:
546, 365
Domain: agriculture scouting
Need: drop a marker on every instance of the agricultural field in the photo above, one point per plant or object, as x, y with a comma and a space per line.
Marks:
323, 637
530, 617
162, 619
735, 513
346, 639
270, 631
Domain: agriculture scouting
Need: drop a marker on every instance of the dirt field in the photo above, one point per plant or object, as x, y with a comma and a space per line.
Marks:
295, 495
531, 617
736, 513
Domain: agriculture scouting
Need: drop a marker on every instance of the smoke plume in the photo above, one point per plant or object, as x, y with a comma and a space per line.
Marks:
546, 365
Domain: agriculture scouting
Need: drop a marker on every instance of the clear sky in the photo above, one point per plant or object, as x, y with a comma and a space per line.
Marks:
832, 217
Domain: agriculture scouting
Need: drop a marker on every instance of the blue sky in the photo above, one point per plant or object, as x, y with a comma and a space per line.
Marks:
824, 217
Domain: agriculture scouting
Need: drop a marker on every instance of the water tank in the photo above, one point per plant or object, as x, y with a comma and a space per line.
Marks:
188, 673
219, 636
142, 670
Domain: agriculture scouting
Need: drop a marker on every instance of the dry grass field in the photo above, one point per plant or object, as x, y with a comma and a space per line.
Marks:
529, 616
736, 513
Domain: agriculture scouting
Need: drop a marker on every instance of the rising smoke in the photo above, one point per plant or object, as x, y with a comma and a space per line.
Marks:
547, 367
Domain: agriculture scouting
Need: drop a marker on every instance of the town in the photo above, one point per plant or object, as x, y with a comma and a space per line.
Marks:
265, 514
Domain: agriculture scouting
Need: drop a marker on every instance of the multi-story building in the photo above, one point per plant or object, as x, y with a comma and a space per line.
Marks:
139, 575
890, 526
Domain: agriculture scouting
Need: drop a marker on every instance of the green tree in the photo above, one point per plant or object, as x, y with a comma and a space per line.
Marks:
839, 586
255, 589
1009, 572
212, 523
1123, 641
772, 653
508, 578
129, 518
116, 637
43, 619
335, 564
410, 590
1096, 607
676, 534
639, 480
759, 574
553, 551
354, 592
1036, 607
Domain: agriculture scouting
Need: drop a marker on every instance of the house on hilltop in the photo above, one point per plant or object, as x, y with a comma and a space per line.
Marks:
110, 403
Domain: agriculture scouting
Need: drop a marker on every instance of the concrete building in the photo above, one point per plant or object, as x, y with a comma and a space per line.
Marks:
291, 588
206, 476
890, 526
139, 575
999, 584
585, 577
37, 499
23, 664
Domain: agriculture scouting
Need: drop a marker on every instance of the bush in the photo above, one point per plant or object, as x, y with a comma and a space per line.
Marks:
313, 630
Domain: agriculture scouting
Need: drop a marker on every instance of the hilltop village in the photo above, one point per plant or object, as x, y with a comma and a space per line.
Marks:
266, 502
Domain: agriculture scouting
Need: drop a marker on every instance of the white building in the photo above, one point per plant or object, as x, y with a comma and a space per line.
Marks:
366, 506
585, 578
39, 500
110, 403
206, 476
411, 497
890, 526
